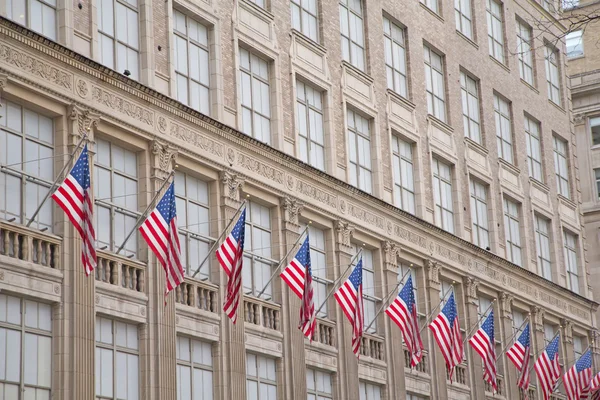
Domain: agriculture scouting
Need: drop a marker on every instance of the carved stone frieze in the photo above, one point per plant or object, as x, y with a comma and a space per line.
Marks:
165, 158
567, 330
391, 251
537, 318
122, 106
232, 184
579, 118
292, 208
196, 139
433, 272
28, 64
86, 120
506, 300
471, 286
344, 232
262, 169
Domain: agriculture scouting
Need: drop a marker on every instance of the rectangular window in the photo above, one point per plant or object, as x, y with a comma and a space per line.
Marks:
25, 349
261, 378
495, 30
577, 346
395, 57
512, 231
118, 35
408, 271
318, 385
117, 360
595, 128
311, 137
524, 52
561, 166
369, 391
574, 44
470, 106
256, 97
434, 80
260, 3
410, 396
566, 4
518, 319
258, 263
352, 32
359, 146
570, 245
369, 294
597, 175
193, 218
194, 369
432, 5
552, 74
463, 18
25, 136
37, 15
534, 149
404, 188
542, 244
304, 18
442, 190
502, 117
318, 259
549, 332
479, 215
445, 292
116, 187
192, 70
548, 6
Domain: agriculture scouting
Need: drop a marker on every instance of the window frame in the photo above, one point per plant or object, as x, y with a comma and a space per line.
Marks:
553, 78
570, 246
191, 364
304, 12
27, 5
258, 379
512, 241
503, 121
575, 35
460, 16
544, 264
363, 394
360, 166
254, 76
320, 395
440, 210
397, 73
597, 175
495, 38
312, 137
401, 164
369, 288
561, 166
524, 53
319, 280
477, 222
433, 5
469, 88
533, 137
432, 72
595, 123
345, 8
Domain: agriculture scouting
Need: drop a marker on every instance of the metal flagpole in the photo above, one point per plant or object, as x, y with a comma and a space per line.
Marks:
515, 334
282, 261
472, 329
212, 248
428, 320
144, 214
59, 177
385, 300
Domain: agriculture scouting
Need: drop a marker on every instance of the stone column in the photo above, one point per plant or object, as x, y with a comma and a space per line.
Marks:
471, 320
537, 341
507, 338
567, 353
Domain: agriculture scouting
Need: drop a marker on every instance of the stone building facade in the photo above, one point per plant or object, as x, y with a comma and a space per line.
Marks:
385, 126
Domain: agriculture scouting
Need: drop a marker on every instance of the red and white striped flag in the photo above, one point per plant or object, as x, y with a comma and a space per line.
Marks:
519, 355
595, 387
578, 377
484, 344
446, 331
74, 197
547, 368
350, 297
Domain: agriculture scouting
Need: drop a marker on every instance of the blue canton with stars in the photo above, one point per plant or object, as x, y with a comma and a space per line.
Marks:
238, 231
166, 205
552, 348
488, 326
303, 255
356, 275
525, 338
584, 362
81, 169
407, 294
449, 309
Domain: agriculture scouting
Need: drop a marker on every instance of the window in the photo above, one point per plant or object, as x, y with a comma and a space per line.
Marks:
193, 217
512, 231
470, 107
561, 167
408, 271
534, 150
359, 146
595, 128
404, 189
548, 5
256, 103
352, 32
318, 385
261, 378
395, 57
524, 52
37, 15
570, 244
566, 4
552, 75
518, 320
304, 18
542, 244
432, 5
597, 174
479, 215
575, 44
410, 396
434, 79
369, 391
194, 369
463, 18
577, 346
117, 360
260, 3
257, 250
25, 349
495, 30
549, 332
442, 191
25, 136
445, 293
115, 184
369, 298
310, 125
318, 259
118, 35
502, 116
192, 69
484, 309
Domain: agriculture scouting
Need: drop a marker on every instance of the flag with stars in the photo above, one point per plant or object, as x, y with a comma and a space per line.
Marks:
595, 387
519, 354
547, 368
446, 331
74, 197
578, 377
483, 343
350, 297
160, 232
403, 311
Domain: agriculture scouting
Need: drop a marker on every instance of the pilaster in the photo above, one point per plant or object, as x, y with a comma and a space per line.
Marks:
537, 339
567, 353
471, 321
437, 364
507, 338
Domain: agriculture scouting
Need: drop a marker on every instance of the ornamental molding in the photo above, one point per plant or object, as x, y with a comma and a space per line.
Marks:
86, 119
506, 300
391, 252
567, 330
232, 185
165, 157
292, 208
471, 286
344, 231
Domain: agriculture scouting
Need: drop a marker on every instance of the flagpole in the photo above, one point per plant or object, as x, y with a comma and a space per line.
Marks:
561, 383
59, 177
515, 334
282, 261
212, 248
428, 320
472, 328
536, 355
144, 214
385, 300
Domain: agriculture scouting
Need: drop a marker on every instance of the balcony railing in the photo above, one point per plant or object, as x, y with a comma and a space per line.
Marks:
499, 383
324, 332
202, 295
120, 271
531, 393
262, 313
460, 374
422, 366
372, 346
17, 241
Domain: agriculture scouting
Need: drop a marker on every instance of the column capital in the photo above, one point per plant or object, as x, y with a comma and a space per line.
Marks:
344, 231
506, 300
567, 328
537, 318
232, 184
471, 286
87, 121
292, 208
433, 273
391, 251
164, 159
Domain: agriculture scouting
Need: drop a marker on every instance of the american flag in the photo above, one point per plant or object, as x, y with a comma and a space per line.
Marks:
595, 387
350, 297
519, 355
160, 232
446, 330
298, 276
73, 196
483, 343
403, 311
547, 368
231, 257
578, 377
